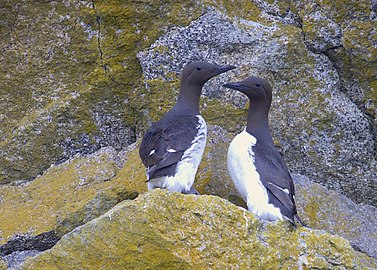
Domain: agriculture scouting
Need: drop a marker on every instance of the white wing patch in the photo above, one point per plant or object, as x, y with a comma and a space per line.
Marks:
152, 152
187, 167
285, 190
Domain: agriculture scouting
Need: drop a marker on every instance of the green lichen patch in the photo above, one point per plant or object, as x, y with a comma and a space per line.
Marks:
67, 195
246, 10
341, 11
359, 38
335, 252
168, 230
3, 265
83, 55
327, 210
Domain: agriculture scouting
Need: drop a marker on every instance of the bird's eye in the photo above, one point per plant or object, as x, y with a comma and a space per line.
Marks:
257, 85
198, 68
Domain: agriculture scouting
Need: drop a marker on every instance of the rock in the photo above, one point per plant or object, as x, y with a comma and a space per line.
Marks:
69, 195
212, 177
332, 212
19, 246
86, 200
321, 131
70, 81
163, 230
3, 265
78, 89
16, 259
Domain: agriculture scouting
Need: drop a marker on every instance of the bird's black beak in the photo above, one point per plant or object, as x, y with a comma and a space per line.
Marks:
222, 69
236, 86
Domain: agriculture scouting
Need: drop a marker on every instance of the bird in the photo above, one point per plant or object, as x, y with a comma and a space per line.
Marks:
172, 148
255, 166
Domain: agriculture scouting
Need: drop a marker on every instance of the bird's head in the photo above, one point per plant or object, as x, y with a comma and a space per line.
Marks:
255, 88
199, 72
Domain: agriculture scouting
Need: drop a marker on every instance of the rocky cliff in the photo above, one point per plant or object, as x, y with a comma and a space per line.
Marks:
82, 80
162, 230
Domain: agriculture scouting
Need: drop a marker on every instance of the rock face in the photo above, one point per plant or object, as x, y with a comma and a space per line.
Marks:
44, 217
70, 79
162, 230
327, 210
71, 82
68, 195
82, 80
321, 131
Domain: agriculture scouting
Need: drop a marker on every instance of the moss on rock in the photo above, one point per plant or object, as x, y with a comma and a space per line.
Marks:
163, 230
327, 210
74, 83
3, 265
69, 195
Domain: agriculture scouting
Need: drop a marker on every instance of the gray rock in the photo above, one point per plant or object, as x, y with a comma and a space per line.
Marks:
16, 259
328, 210
320, 131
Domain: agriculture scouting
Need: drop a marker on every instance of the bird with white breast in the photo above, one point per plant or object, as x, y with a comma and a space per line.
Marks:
255, 166
172, 148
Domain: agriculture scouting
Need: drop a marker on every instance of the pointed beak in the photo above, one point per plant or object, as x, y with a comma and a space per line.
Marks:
222, 69
236, 86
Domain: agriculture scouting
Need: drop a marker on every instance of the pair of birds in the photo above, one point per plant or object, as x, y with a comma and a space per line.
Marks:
172, 148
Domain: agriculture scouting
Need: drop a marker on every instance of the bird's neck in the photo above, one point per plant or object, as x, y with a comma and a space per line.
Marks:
257, 122
188, 99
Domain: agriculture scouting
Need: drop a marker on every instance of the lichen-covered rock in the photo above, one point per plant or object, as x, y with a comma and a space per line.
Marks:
79, 76
93, 184
99, 191
3, 265
69, 195
16, 259
328, 210
70, 80
321, 131
163, 230
212, 177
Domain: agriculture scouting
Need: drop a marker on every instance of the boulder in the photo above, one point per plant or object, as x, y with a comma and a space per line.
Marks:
87, 75
65, 197
324, 209
163, 230
83, 80
95, 183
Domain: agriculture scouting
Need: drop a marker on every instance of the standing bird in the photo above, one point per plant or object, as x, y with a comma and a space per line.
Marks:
173, 147
257, 169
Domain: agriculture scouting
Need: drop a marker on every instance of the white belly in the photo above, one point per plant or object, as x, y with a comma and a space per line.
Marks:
186, 169
246, 179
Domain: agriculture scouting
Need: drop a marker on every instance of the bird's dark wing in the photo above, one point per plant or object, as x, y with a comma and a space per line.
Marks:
165, 142
276, 178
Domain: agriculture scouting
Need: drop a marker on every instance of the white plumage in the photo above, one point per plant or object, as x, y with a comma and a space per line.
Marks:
242, 170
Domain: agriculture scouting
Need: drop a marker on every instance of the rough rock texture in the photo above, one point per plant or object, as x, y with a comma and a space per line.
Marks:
3, 265
82, 80
68, 195
16, 259
162, 230
70, 79
71, 82
320, 130
328, 210
88, 194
